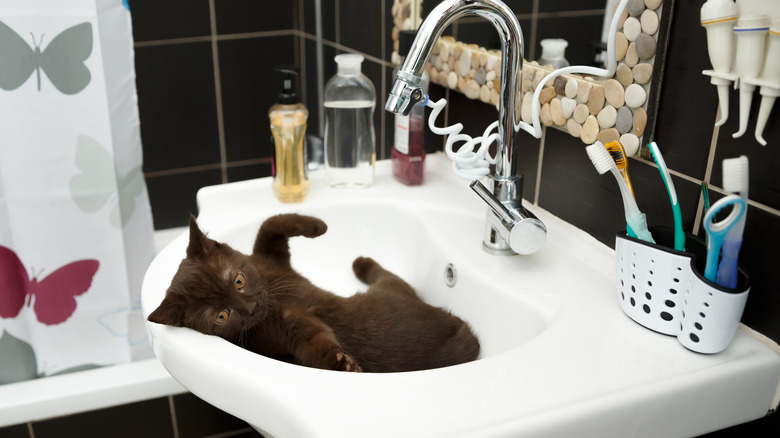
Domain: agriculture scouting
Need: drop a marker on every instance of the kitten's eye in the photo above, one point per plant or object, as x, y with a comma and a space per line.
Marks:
223, 316
240, 281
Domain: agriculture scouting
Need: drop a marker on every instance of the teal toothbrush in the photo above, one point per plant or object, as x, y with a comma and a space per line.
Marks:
679, 235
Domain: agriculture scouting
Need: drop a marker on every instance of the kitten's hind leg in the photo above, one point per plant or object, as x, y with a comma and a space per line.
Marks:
275, 231
368, 271
380, 279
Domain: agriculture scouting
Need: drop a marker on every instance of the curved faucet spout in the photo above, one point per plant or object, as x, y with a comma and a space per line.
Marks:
508, 28
507, 182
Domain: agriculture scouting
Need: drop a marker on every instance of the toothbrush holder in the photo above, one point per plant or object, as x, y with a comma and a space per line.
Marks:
665, 290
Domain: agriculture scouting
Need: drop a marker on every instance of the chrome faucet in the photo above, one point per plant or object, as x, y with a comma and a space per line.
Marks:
510, 228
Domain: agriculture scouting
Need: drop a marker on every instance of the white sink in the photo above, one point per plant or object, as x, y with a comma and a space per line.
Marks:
558, 357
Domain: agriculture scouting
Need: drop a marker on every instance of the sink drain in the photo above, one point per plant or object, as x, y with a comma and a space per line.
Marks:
450, 275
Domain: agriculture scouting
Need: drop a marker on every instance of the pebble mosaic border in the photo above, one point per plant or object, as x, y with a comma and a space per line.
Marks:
615, 109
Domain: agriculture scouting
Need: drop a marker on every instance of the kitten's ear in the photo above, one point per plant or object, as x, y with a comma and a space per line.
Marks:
170, 312
199, 244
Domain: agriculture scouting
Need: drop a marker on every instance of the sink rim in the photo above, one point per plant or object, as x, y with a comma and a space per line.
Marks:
508, 392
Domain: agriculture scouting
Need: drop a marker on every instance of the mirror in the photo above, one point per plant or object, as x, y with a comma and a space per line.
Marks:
619, 108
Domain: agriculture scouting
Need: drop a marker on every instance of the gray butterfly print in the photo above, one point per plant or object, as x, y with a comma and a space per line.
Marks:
62, 60
98, 185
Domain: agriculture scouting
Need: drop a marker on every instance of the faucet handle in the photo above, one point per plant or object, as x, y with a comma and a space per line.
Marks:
523, 231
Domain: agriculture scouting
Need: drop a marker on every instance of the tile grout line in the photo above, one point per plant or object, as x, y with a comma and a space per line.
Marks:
205, 167
209, 38
218, 92
174, 422
382, 94
534, 28
337, 24
707, 173
338, 46
302, 58
542, 15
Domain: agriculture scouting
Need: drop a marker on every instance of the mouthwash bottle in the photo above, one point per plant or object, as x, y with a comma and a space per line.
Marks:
408, 153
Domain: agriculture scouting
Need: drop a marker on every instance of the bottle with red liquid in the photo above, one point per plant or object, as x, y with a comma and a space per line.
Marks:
408, 153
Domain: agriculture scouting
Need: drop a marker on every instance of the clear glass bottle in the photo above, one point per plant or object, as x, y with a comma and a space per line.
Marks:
350, 139
408, 153
288, 128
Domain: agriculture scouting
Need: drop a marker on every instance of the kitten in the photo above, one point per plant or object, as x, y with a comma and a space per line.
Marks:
260, 303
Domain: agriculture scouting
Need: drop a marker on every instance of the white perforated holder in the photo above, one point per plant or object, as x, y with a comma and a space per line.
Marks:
658, 288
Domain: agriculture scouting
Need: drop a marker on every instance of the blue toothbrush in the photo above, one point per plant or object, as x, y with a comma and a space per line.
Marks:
735, 180
716, 231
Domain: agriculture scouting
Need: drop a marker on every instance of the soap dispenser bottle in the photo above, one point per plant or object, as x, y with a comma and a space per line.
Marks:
408, 153
350, 140
288, 127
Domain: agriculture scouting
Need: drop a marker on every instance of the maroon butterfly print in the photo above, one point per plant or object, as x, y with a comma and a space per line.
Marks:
52, 298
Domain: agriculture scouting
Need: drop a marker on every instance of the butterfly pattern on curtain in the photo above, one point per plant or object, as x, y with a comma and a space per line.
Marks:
62, 60
53, 298
92, 189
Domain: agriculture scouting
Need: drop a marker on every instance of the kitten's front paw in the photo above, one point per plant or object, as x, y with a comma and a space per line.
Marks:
310, 226
344, 362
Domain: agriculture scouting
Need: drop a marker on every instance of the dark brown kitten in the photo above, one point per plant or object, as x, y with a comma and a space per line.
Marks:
260, 303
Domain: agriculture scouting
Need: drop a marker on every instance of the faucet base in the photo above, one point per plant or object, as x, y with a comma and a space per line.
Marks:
488, 248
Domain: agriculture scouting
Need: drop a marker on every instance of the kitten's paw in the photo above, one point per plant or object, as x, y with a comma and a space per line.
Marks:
344, 362
362, 266
311, 227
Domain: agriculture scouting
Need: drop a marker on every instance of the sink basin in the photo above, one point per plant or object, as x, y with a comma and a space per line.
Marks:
558, 356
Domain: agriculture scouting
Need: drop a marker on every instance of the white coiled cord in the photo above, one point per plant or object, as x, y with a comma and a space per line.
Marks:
466, 162
470, 164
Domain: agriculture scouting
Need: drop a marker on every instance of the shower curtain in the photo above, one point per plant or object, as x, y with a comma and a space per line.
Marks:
75, 222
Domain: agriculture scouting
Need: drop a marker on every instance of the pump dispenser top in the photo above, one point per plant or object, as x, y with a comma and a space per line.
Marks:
288, 96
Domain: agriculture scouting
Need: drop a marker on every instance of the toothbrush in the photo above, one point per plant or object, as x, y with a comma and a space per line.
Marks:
604, 163
735, 180
705, 194
679, 236
717, 231
619, 155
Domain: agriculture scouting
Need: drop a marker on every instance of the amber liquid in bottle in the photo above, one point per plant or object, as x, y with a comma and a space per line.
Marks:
288, 127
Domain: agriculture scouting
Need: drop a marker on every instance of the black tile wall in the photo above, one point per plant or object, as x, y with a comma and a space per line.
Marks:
328, 70
244, 16
355, 16
147, 418
250, 86
199, 131
172, 196
582, 32
15, 431
170, 19
684, 128
558, 6
180, 416
177, 105
249, 171
328, 19
196, 418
